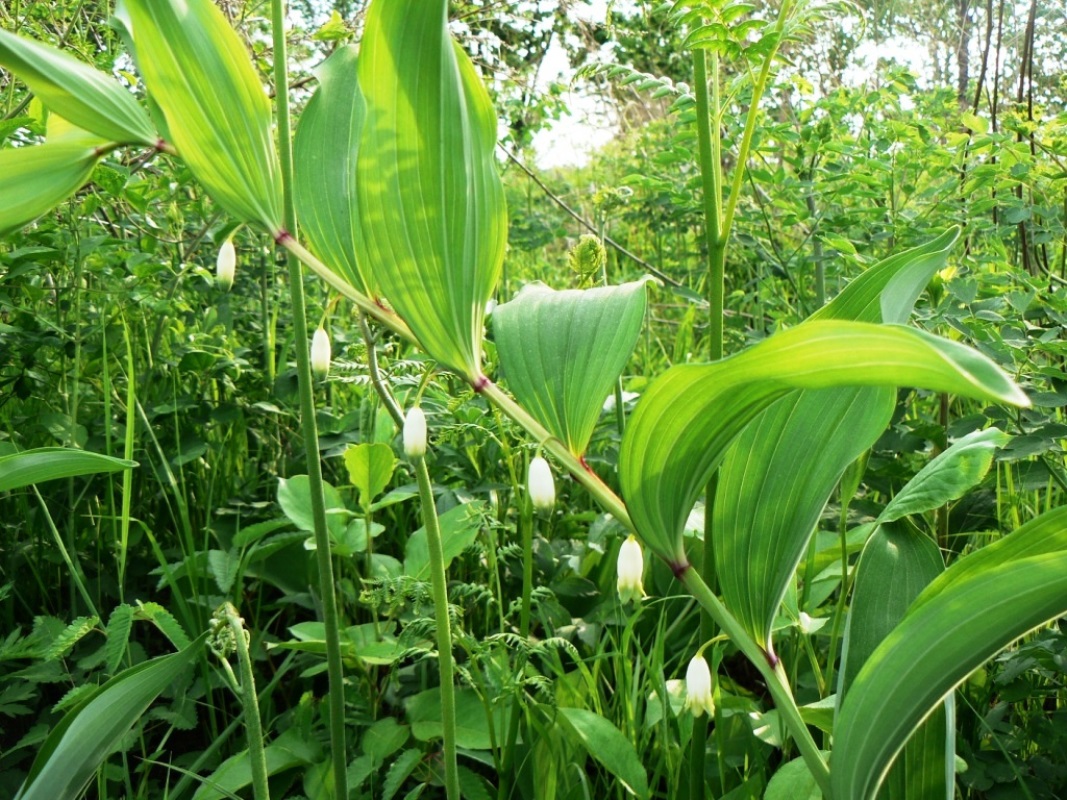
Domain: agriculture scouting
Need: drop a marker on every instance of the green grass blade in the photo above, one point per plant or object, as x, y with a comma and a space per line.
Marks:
324, 161
82, 740
584, 339
686, 420
87, 97
430, 198
50, 463
939, 642
218, 115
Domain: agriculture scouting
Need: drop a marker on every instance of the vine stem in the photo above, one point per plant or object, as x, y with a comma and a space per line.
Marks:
308, 425
444, 625
250, 704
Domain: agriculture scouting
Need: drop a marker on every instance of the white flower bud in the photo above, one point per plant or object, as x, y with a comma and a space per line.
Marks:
631, 566
415, 433
320, 354
226, 265
541, 485
698, 687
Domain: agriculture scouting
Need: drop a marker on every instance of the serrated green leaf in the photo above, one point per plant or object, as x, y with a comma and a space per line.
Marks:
961, 619
75, 748
948, 476
218, 115
584, 339
87, 97
34, 180
71, 635
119, 625
324, 162
606, 743
165, 622
431, 202
690, 415
370, 468
399, 772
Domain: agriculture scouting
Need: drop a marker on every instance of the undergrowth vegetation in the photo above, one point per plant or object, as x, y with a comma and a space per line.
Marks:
344, 453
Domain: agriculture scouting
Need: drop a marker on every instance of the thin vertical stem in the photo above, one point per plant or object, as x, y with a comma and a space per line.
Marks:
444, 625
334, 667
250, 704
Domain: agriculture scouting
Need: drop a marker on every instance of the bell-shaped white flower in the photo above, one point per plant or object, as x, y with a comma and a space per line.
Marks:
631, 566
415, 433
226, 265
541, 485
698, 687
320, 354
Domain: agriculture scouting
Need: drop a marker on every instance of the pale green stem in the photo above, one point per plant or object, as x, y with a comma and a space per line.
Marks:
444, 627
250, 704
771, 670
334, 666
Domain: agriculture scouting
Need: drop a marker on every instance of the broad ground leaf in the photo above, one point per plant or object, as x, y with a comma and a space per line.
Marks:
563, 351
324, 161
896, 565
78, 92
288, 751
81, 741
606, 743
218, 115
49, 463
961, 620
948, 476
34, 180
459, 529
690, 415
370, 468
777, 476
430, 199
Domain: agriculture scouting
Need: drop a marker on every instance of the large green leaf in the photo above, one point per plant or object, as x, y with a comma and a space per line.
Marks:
430, 199
288, 751
218, 115
583, 340
689, 416
71, 88
324, 160
948, 476
896, 565
34, 180
773, 484
778, 474
459, 529
607, 744
370, 468
77, 746
49, 463
956, 624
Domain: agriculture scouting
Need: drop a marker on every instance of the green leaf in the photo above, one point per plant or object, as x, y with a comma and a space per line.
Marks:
459, 529
793, 781
288, 751
430, 199
294, 496
81, 741
370, 468
50, 463
78, 629
218, 115
689, 416
87, 97
777, 476
34, 180
773, 485
400, 771
324, 163
961, 619
948, 476
119, 625
584, 339
606, 743
473, 731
